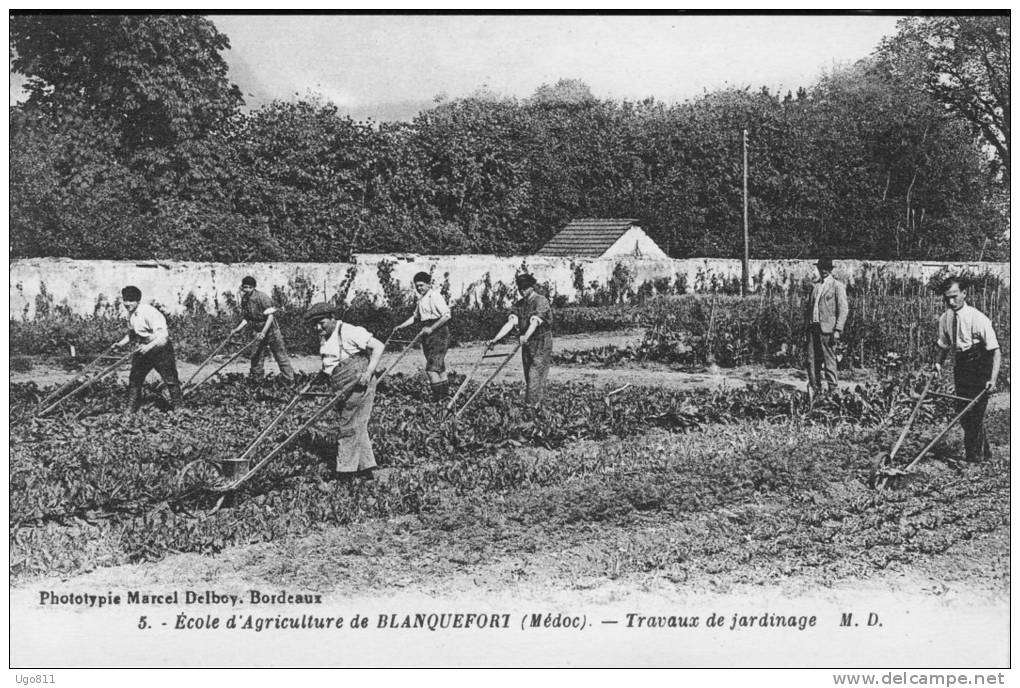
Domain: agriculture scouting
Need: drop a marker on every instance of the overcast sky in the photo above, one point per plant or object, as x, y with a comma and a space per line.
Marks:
389, 67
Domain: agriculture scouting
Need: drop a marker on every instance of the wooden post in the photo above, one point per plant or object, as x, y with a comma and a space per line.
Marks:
745, 287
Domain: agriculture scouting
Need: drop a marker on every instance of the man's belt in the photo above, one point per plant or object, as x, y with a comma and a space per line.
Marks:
974, 353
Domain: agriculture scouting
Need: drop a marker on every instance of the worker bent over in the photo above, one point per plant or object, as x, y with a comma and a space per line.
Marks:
968, 333
350, 354
147, 329
825, 317
532, 315
258, 311
434, 314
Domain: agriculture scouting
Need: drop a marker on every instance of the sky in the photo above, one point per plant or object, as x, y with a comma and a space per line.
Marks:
391, 66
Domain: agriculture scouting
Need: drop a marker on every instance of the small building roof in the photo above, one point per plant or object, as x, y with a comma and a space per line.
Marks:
588, 237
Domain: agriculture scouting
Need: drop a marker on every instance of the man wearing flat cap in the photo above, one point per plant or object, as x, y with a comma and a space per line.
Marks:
532, 316
350, 354
825, 317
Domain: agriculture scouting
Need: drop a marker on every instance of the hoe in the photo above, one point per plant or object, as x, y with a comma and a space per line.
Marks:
107, 361
187, 390
506, 359
205, 477
885, 473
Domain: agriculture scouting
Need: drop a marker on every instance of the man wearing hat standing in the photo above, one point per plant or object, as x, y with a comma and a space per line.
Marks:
968, 333
825, 317
532, 316
258, 311
147, 328
350, 355
433, 313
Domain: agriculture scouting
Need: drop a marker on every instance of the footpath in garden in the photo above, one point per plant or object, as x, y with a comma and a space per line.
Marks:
462, 358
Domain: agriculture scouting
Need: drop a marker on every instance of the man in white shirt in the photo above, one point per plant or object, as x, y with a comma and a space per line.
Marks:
433, 313
350, 354
147, 328
968, 333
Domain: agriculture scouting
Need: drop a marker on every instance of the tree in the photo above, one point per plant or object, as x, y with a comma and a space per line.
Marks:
159, 78
963, 63
570, 91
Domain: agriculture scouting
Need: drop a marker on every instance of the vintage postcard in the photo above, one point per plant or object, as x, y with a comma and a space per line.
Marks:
511, 340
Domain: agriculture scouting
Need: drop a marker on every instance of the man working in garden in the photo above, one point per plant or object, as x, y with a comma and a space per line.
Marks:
968, 333
433, 313
147, 328
350, 354
825, 317
258, 311
532, 315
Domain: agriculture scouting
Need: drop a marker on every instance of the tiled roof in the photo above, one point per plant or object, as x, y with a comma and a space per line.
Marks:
589, 237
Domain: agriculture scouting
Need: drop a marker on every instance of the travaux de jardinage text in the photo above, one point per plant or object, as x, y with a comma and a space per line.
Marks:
259, 610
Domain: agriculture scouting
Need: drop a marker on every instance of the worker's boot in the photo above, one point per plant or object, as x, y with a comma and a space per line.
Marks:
176, 398
134, 399
437, 391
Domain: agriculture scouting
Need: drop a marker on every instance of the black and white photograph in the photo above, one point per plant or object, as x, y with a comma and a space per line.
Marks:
510, 340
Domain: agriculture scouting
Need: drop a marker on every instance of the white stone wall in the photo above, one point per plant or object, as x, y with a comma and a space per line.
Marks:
87, 287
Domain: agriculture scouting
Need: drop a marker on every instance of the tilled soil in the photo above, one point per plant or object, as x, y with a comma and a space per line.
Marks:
615, 565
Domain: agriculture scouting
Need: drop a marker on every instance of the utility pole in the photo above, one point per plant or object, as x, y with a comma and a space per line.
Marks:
745, 282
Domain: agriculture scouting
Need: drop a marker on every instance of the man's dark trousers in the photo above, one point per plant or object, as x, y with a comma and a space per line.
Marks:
972, 369
273, 341
162, 360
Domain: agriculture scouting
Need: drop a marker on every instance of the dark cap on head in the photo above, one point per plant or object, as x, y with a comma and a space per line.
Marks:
131, 294
824, 263
318, 311
525, 281
248, 281
423, 277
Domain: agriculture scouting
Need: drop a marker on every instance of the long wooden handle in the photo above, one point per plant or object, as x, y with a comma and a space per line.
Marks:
85, 385
74, 380
210, 357
283, 445
487, 380
463, 385
910, 420
276, 421
216, 372
403, 353
947, 428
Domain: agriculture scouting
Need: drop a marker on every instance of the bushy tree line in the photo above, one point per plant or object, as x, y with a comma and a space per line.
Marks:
132, 144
